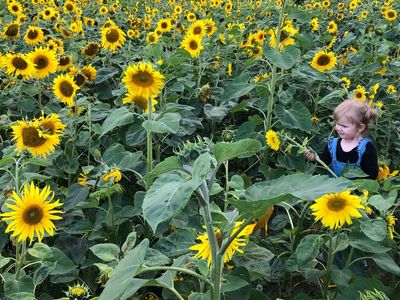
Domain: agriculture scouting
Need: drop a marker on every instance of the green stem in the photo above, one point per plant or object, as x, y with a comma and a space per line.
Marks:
271, 98
226, 165
300, 226
111, 214
225, 244
20, 260
149, 137
328, 266
349, 258
16, 177
90, 132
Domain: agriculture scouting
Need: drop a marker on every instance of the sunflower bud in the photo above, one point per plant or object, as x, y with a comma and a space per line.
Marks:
205, 92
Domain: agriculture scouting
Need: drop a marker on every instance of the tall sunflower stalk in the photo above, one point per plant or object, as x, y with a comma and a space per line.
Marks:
149, 137
271, 98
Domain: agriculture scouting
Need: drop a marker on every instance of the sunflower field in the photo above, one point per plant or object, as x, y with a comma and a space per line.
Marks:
155, 149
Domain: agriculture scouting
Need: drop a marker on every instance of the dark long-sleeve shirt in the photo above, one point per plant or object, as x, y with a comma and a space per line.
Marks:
369, 160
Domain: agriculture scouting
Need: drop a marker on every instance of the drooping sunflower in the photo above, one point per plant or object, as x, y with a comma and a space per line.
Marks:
44, 61
65, 88
34, 35
115, 175
192, 44
391, 222
112, 37
91, 49
90, 72
142, 80
323, 61
272, 140
32, 214
11, 30
210, 26
64, 62
140, 102
336, 209
18, 64
204, 249
29, 136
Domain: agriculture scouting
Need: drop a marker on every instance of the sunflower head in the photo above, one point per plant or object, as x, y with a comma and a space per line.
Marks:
65, 88
11, 30
323, 61
45, 62
272, 139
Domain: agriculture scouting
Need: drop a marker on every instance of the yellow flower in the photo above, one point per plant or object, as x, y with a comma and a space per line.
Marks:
272, 140
332, 27
115, 175
89, 72
346, 82
360, 93
82, 179
11, 30
78, 291
65, 88
314, 119
140, 102
374, 90
384, 172
44, 61
323, 61
391, 89
112, 37
204, 249
229, 70
314, 24
141, 80
378, 104
198, 28
390, 15
34, 35
192, 44
391, 221
32, 213
18, 65
336, 209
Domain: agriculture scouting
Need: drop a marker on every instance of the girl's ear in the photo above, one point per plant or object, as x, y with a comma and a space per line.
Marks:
362, 127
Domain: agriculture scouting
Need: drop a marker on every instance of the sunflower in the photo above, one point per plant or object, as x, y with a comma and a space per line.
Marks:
112, 37
391, 221
204, 250
314, 24
34, 35
192, 44
11, 30
332, 27
78, 291
164, 25
390, 15
140, 102
115, 175
29, 136
69, 6
18, 64
345, 82
384, 172
103, 10
50, 126
91, 49
391, 89
48, 13
64, 62
323, 61
198, 28
45, 62
285, 39
142, 80
272, 140
14, 8
210, 27
191, 17
336, 209
360, 93
90, 72
152, 37
32, 213
65, 89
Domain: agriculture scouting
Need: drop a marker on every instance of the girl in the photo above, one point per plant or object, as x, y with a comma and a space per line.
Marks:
352, 121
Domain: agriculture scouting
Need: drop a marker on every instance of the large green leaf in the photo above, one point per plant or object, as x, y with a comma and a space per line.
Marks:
383, 203
169, 164
76, 194
359, 241
106, 251
284, 60
177, 243
105, 73
116, 155
168, 123
386, 262
119, 117
167, 196
243, 148
201, 167
297, 117
305, 254
260, 196
121, 284
374, 229
238, 88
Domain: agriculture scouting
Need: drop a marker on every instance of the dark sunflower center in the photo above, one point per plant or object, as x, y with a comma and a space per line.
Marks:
32, 34
19, 63
49, 127
12, 30
47, 13
32, 215
112, 36
323, 60
152, 38
66, 88
283, 37
88, 74
31, 138
164, 25
390, 14
91, 49
41, 62
69, 7
143, 79
15, 8
193, 45
64, 61
197, 30
359, 95
80, 79
140, 102
336, 204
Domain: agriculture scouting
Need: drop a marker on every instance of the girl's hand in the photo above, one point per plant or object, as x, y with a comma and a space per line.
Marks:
309, 156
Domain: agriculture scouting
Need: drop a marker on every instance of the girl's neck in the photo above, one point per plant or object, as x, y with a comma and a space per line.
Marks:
349, 144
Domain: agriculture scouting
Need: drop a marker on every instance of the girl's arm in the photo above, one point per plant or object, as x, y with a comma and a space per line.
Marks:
369, 161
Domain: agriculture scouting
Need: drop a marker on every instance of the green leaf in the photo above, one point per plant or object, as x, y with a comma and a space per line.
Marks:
58, 263
106, 252
232, 283
201, 167
168, 123
39, 162
155, 258
261, 196
40, 250
305, 254
237, 88
40, 275
386, 262
360, 284
130, 242
383, 203
105, 73
116, 155
6, 160
121, 284
169, 164
243, 148
284, 60
215, 113
374, 229
29, 176
361, 242
332, 99
298, 14
167, 196
14, 289
177, 243
76, 194
297, 117
118, 117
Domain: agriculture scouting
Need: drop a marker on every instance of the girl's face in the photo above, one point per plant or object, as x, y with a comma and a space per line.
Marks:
347, 130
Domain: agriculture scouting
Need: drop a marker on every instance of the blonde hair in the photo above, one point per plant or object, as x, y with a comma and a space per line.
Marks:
357, 112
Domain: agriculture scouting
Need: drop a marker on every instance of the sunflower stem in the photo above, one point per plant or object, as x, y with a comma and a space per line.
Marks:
17, 166
149, 137
226, 243
90, 132
329, 265
111, 214
271, 98
21, 257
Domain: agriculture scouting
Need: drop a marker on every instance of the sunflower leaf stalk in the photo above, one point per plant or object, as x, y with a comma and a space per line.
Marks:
149, 137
